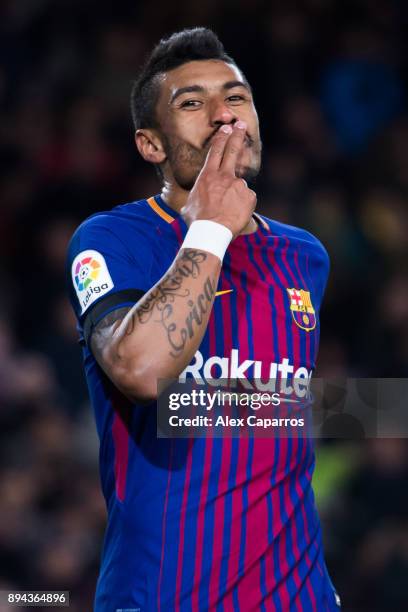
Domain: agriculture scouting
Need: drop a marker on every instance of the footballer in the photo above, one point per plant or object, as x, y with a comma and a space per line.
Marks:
193, 282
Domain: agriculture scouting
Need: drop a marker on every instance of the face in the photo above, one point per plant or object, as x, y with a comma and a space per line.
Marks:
195, 100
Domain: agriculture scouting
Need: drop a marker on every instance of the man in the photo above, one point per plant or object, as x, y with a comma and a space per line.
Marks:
184, 283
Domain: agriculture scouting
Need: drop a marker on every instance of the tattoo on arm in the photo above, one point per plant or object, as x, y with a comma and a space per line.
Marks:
188, 265
160, 301
159, 307
178, 337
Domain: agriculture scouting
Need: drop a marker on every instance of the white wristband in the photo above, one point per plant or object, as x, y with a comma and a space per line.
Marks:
208, 236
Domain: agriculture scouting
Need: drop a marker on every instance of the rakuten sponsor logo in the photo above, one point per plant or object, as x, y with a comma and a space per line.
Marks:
226, 371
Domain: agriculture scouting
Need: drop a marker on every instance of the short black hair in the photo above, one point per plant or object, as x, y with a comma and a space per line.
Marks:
181, 47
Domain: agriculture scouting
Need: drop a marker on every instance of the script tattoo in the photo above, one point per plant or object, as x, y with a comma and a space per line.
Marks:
171, 286
177, 336
159, 303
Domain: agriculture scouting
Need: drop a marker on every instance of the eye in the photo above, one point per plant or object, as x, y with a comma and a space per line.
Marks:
190, 104
236, 98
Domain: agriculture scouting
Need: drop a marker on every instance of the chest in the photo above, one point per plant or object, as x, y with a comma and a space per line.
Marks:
265, 313
267, 306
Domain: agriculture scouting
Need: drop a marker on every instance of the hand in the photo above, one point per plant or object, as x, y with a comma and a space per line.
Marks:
218, 195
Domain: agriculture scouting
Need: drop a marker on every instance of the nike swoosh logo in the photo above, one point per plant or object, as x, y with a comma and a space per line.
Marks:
223, 292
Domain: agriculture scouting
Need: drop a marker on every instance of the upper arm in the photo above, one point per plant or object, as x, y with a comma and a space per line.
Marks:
108, 271
102, 343
104, 346
107, 258
102, 337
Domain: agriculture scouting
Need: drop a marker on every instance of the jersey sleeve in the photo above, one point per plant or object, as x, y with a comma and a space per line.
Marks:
103, 271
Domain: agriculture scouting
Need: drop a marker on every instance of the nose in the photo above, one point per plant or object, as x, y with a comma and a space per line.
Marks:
221, 114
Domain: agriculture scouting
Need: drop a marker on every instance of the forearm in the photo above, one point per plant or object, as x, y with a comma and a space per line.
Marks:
160, 334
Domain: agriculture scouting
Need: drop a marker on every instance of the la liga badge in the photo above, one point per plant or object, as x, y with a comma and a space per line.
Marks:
91, 278
302, 309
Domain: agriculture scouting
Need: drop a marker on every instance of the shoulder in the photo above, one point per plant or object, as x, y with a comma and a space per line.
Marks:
297, 234
120, 222
291, 231
115, 239
110, 253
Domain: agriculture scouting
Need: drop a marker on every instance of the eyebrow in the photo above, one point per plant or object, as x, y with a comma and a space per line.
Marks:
200, 89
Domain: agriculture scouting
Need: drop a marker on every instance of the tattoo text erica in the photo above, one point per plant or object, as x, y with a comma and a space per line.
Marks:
161, 300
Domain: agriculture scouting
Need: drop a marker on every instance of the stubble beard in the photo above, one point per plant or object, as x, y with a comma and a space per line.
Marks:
186, 162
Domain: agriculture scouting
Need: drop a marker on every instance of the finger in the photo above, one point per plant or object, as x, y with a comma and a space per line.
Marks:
216, 152
233, 148
241, 184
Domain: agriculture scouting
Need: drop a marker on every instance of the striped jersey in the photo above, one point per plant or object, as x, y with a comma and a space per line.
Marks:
203, 524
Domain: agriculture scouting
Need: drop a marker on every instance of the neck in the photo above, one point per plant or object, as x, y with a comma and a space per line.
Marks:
176, 197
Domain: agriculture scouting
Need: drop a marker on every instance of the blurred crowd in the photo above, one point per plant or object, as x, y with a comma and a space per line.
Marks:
329, 78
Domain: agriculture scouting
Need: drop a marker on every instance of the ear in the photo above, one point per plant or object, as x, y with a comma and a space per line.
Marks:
150, 146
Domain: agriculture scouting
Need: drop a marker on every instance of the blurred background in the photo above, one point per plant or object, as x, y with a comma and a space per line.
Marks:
330, 80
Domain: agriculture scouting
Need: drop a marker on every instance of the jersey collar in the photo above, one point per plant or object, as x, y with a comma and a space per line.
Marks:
169, 214
162, 209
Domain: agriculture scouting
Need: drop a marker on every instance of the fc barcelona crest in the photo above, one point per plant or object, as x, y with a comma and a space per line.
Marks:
302, 309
